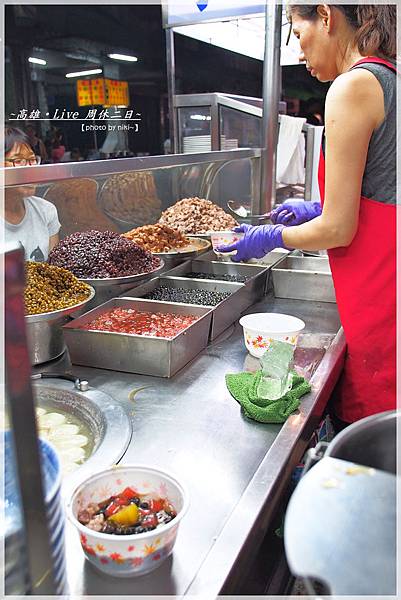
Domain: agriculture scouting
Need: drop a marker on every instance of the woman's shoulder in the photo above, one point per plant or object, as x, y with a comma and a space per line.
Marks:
354, 83
356, 91
41, 206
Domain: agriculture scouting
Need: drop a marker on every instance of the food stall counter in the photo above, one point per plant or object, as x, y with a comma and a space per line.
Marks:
235, 469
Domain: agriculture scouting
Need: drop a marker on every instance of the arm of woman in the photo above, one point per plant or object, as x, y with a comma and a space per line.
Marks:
354, 108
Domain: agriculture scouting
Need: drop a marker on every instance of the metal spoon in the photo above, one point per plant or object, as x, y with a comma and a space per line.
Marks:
243, 213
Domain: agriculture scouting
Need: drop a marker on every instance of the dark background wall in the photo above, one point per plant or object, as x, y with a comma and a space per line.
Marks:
64, 33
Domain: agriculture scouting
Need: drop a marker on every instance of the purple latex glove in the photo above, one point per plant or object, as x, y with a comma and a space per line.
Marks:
256, 242
295, 212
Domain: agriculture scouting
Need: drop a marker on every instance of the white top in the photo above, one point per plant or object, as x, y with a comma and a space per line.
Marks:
33, 232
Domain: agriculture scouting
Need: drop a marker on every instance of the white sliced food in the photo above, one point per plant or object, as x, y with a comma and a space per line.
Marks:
40, 411
64, 442
51, 420
71, 454
66, 429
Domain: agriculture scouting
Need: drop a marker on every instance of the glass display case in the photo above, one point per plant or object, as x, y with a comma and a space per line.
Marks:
219, 121
121, 194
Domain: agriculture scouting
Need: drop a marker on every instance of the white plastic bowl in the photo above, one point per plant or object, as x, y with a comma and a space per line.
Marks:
128, 555
224, 238
261, 328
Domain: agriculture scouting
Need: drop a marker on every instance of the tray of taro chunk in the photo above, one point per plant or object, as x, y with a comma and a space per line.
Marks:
138, 336
224, 298
254, 278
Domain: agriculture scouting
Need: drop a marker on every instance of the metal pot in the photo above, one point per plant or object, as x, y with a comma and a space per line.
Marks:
370, 442
340, 524
106, 420
45, 334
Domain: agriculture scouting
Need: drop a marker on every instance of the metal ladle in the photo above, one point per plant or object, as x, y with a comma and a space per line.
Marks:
244, 213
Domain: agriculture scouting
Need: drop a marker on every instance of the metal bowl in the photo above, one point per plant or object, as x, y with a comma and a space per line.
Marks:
175, 257
44, 330
111, 287
105, 418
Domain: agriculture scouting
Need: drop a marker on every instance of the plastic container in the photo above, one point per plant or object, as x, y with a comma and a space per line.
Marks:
261, 328
51, 476
128, 555
224, 238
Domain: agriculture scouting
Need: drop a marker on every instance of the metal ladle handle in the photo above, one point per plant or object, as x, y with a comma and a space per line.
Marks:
80, 384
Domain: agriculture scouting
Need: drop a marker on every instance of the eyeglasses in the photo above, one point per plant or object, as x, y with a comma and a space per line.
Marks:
23, 162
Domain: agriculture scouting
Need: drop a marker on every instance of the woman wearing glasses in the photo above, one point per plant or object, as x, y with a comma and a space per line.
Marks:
28, 219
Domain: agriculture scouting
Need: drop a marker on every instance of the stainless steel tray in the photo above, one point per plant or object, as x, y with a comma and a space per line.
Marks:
224, 314
135, 353
256, 277
303, 278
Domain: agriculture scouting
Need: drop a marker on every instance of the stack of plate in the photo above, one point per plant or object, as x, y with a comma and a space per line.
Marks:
197, 143
16, 568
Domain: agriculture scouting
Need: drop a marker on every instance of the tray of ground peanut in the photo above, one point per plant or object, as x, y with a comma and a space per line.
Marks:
139, 336
167, 243
253, 277
224, 298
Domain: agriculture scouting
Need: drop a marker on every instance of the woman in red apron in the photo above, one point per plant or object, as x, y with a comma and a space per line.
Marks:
353, 46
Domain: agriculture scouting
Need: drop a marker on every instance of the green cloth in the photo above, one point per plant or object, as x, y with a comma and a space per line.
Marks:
243, 387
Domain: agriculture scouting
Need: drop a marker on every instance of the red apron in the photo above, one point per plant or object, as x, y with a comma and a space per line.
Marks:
364, 275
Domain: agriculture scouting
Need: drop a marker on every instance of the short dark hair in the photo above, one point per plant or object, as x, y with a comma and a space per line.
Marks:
12, 136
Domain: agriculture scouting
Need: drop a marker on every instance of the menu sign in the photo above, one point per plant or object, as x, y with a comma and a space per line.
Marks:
104, 92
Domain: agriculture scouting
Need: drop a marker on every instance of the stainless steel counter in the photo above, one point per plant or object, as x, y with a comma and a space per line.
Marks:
235, 469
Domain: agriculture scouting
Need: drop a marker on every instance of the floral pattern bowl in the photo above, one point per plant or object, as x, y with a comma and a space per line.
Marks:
224, 238
128, 555
261, 328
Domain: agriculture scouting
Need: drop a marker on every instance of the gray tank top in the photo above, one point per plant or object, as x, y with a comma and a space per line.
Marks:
379, 178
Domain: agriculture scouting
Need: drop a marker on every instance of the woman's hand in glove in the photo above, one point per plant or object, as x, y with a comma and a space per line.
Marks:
256, 242
295, 212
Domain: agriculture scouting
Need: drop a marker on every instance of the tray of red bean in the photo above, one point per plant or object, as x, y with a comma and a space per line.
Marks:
139, 336
127, 513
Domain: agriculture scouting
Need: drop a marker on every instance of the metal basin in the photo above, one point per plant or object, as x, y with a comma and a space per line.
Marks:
45, 334
370, 442
108, 423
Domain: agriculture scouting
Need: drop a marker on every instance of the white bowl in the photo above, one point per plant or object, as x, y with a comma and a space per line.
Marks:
261, 328
224, 238
128, 555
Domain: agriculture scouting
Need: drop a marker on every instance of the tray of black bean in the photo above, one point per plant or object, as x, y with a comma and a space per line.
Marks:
255, 278
226, 299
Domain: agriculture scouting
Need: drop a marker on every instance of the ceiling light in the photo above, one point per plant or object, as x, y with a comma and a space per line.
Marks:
79, 73
121, 105
37, 61
123, 57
